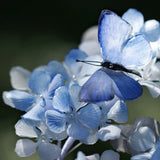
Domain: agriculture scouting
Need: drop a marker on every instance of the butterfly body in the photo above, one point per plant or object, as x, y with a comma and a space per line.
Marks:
120, 51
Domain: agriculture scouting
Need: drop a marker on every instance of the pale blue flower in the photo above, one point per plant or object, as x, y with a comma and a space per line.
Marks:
34, 93
68, 113
44, 137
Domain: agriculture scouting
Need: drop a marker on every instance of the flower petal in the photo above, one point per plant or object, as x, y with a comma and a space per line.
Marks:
36, 113
19, 78
55, 67
119, 112
39, 81
55, 121
109, 132
135, 18
61, 99
110, 155
151, 30
48, 151
25, 128
56, 82
143, 139
25, 147
18, 99
154, 87
89, 116
77, 131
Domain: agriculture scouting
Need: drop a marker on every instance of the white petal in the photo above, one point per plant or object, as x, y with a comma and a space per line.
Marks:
109, 132
25, 128
90, 34
154, 87
25, 147
90, 47
19, 78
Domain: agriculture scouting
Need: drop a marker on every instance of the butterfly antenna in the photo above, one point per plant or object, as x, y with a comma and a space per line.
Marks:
95, 63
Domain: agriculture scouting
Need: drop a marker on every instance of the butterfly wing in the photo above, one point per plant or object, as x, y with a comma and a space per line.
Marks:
136, 52
105, 83
97, 88
125, 87
118, 46
113, 31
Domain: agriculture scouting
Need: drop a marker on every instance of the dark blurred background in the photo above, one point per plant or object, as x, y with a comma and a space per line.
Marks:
34, 32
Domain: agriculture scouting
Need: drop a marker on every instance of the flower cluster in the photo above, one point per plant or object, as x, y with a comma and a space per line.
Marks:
83, 97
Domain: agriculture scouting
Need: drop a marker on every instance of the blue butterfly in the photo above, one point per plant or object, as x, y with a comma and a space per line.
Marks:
121, 51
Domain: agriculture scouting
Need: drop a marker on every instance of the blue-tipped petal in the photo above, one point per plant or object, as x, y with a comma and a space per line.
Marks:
90, 116
71, 58
48, 151
36, 113
77, 131
55, 121
55, 67
136, 52
135, 18
109, 132
25, 147
39, 81
113, 31
18, 99
143, 139
119, 112
61, 100
55, 83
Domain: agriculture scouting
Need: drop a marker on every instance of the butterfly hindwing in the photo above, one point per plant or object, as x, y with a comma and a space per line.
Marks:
124, 86
105, 83
97, 88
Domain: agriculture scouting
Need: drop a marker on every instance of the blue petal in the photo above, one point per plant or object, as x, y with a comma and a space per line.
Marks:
61, 100
74, 92
136, 52
18, 99
113, 31
90, 116
124, 87
135, 18
110, 155
36, 113
77, 131
48, 151
55, 121
70, 60
39, 81
55, 67
97, 88
55, 83
119, 112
